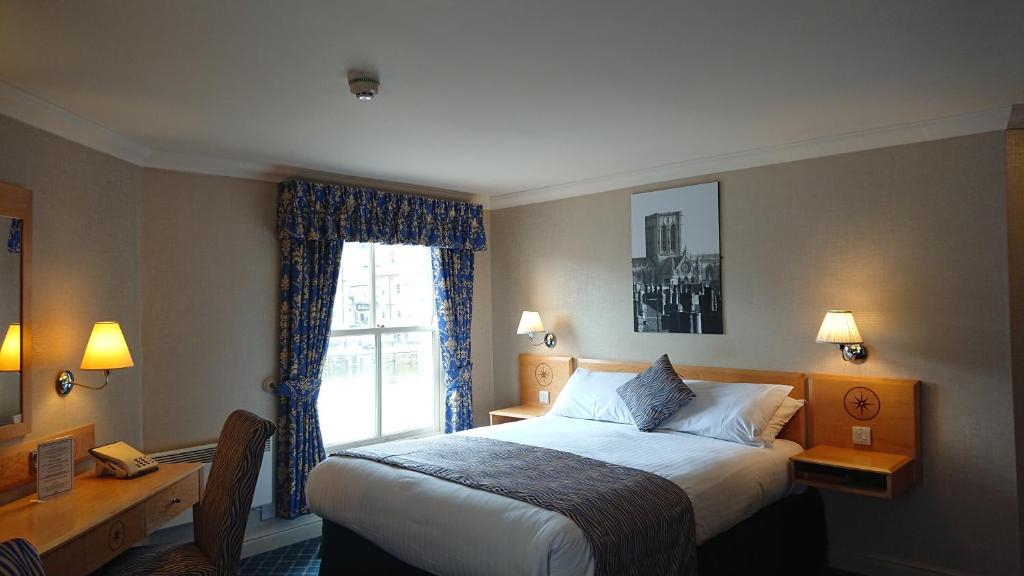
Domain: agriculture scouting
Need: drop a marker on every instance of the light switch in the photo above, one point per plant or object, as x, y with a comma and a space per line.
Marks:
544, 397
862, 435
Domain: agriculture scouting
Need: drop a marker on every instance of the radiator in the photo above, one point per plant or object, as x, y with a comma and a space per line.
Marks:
262, 498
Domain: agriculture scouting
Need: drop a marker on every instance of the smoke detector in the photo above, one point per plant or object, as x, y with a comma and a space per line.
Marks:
365, 86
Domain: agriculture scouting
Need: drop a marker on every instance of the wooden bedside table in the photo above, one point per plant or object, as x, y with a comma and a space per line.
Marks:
516, 413
864, 472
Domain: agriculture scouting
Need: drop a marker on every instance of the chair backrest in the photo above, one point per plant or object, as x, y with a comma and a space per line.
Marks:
224, 509
19, 558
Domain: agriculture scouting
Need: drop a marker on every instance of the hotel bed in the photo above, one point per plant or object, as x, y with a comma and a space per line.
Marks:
747, 514
415, 517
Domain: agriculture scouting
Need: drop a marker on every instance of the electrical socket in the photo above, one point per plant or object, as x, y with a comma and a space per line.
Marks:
862, 435
544, 397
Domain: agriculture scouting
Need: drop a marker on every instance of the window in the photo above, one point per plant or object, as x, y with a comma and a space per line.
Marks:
381, 375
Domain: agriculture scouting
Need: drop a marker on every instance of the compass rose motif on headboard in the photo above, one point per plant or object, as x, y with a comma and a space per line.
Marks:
543, 374
862, 403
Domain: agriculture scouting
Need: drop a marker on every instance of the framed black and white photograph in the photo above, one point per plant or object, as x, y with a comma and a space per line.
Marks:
677, 262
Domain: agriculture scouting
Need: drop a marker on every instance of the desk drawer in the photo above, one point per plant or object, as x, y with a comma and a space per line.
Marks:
171, 501
99, 545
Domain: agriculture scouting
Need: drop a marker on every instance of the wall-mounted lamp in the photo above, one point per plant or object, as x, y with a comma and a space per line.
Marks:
10, 350
839, 328
530, 323
106, 350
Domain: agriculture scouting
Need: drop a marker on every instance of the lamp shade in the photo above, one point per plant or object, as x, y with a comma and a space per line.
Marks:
106, 349
838, 327
530, 322
10, 350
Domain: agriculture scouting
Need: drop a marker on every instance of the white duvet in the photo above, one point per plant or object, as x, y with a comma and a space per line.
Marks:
447, 528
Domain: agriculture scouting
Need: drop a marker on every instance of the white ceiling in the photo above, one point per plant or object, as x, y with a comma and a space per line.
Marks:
495, 98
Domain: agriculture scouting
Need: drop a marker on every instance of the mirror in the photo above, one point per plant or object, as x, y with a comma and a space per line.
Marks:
10, 323
15, 258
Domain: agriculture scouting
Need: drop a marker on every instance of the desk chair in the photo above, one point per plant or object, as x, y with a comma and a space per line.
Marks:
219, 525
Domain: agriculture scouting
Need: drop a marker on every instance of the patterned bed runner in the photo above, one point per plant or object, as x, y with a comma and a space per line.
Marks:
637, 523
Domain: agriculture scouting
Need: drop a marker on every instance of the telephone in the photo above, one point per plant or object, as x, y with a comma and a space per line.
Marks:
123, 461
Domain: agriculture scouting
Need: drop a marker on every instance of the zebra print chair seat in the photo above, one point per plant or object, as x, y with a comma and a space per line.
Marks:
19, 558
221, 515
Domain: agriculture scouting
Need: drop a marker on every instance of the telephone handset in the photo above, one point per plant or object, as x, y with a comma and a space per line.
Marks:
123, 461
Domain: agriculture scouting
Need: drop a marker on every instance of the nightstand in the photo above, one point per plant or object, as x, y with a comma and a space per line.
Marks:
864, 472
516, 413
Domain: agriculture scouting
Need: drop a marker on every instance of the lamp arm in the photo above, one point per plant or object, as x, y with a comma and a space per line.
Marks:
549, 340
106, 381
66, 380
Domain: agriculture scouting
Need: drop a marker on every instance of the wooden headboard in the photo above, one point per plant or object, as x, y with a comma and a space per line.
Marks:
538, 373
824, 419
795, 430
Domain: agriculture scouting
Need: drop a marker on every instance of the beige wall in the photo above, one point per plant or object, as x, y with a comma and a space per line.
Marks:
912, 238
208, 264
85, 269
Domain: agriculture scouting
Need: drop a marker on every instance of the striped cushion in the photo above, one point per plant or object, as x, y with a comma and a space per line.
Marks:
19, 558
655, 394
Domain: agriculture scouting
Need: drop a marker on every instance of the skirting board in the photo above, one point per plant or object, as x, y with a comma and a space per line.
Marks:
284, 533
884, 565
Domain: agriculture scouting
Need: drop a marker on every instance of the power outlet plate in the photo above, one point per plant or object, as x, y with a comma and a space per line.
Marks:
862, 435
544, 397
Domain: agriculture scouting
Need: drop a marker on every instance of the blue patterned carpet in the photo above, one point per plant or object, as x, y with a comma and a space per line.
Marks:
299, 559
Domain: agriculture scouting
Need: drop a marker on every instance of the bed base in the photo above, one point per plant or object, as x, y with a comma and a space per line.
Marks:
787, 537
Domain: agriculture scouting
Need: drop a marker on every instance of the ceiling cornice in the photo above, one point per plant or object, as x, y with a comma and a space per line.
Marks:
936, 129
35, 111
32, 110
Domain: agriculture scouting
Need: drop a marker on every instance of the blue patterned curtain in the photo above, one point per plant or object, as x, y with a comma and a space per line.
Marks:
307, 228
453, 299
313, 221
14, 237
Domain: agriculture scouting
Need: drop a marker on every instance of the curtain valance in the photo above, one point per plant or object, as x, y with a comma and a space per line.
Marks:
368, 215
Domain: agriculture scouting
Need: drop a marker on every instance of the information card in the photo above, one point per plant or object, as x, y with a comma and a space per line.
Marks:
55, 467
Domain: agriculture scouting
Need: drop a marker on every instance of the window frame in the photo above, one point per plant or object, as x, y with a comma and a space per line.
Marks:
377, 331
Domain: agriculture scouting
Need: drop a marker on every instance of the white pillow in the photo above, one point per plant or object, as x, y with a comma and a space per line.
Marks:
592, 396
728, 411
788, 409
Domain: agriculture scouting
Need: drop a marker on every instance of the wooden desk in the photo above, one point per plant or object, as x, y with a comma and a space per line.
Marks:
78, 532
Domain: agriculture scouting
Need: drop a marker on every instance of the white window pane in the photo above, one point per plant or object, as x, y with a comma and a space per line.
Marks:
352, 302
409, 382
404, 293
348, 402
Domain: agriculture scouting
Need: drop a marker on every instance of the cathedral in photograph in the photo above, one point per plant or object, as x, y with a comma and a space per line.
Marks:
675, 290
